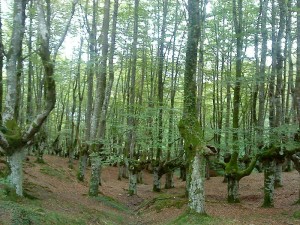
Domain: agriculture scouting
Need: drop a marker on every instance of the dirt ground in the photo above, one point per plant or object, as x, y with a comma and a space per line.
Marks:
66, 194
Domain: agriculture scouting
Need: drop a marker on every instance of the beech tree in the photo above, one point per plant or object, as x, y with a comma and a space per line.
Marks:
189, 125
13, 138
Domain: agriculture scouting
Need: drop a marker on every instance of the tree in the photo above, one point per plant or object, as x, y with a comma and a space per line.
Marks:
189, 125
13, 140
98, 130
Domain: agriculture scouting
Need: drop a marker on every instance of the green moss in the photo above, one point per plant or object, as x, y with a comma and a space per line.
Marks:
268, 203
232, 200
191, 218
296, 215
58, 173
108, 201
190, 131
26, 211
169, 202
20, 214
232, 166
13, 134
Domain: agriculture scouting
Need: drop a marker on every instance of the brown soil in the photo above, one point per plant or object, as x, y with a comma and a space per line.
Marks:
66, 194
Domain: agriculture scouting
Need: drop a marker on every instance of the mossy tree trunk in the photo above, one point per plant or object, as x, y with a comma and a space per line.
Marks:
98, 125
132, 190
82, 163
174, 74
95, 179
269, 182
1, 68
91, 70
160, 88
233, 189
189, 126
234, 174
278, 175
296, 159
14, 140
156, 177
132, 121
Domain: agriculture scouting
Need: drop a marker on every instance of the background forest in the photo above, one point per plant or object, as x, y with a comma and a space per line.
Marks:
118, 74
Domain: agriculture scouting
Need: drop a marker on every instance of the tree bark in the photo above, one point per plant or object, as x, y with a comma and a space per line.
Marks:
16, 176
269, 180
233, 189
131, 121
196, 188
189, 126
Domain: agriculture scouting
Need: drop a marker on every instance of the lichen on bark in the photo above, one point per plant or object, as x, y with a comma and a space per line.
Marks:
95, 169
196, 188
16, 176
269, 180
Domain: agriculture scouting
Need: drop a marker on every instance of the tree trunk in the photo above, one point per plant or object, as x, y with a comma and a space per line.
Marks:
131, 120
269, 180
233, 189
169, 180
156, 179
278, 175
82, 165
132, 190
1, 68
16, 176
196, 188
94, 181
140, 179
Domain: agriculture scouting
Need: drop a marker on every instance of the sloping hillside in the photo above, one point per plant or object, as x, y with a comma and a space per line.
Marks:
54, 196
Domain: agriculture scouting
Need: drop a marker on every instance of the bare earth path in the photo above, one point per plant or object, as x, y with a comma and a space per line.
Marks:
57, 188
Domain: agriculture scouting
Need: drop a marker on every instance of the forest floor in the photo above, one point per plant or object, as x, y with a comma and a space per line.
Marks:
54, 196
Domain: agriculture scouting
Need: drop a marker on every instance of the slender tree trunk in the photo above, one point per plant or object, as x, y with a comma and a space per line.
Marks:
262, 74
1, 67
99, 113
156, 178
29, 108
90, 85
131, 120
297, 84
